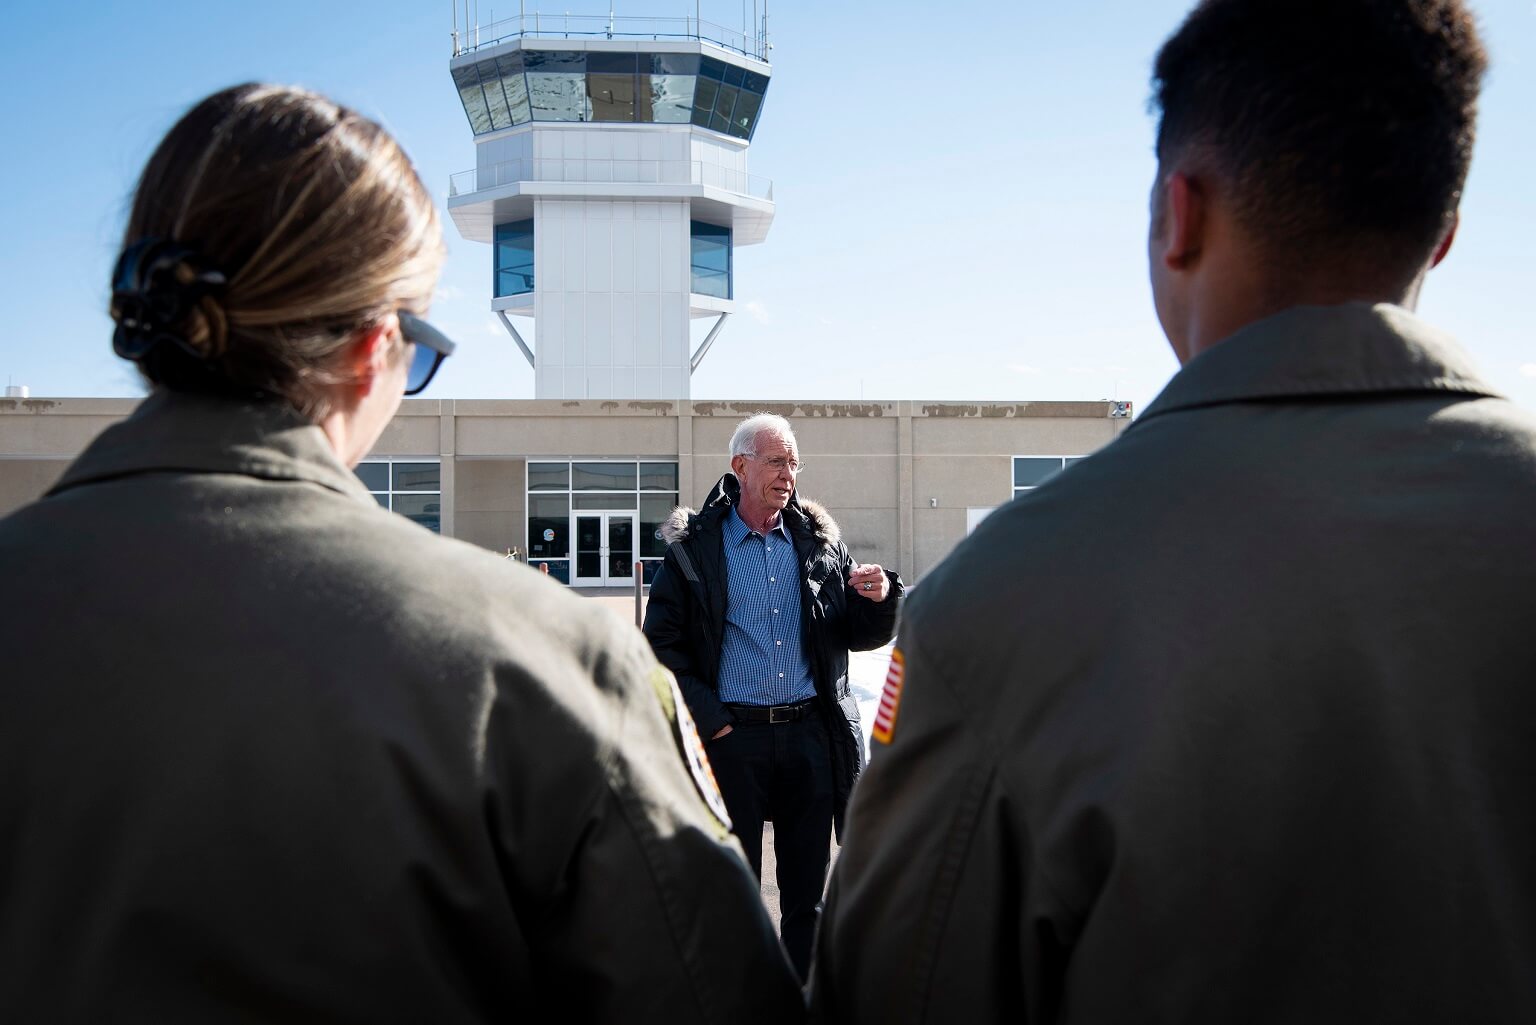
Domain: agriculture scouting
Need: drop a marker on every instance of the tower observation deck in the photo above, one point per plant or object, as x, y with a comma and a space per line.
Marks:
611, 182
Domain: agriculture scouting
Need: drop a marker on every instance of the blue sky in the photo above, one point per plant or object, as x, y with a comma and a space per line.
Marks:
961, 188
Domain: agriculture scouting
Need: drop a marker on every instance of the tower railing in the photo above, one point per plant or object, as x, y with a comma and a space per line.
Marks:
601, 26
607, 171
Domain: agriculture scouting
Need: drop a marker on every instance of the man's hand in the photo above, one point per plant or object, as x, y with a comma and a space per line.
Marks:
868, 580
721, 732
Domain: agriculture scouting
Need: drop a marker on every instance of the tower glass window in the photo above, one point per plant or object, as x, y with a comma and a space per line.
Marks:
557, 85
467, 81
711, 259
645, 88
611, 86
510, 70
495, 96
514, 258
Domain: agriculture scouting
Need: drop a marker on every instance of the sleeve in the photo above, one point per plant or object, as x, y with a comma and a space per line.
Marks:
652, 912
669, 627
921, 921
867, 624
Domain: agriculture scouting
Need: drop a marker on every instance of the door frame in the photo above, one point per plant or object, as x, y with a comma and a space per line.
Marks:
604, 554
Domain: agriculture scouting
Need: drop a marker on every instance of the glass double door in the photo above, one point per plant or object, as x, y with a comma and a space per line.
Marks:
605, 549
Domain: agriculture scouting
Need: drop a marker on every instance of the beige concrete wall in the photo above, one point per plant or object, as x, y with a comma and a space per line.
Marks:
26, 480
491, 496
1013, 437
408, 436
40, 437
56, 428
935, 534
963, 458
897, 476
572, 436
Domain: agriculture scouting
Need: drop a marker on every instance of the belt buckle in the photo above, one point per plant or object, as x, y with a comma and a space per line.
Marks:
788, 711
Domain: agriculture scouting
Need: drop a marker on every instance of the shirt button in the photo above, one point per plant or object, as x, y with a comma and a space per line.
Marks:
775, 612
781, 676
773, 580
778, 642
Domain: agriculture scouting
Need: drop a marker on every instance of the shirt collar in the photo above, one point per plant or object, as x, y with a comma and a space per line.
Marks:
1310, 351
737, 531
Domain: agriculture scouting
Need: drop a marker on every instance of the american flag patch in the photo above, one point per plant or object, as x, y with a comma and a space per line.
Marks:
890, 699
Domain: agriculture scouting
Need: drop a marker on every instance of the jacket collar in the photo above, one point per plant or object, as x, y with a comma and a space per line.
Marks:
1314, 351
186, 433
803, 517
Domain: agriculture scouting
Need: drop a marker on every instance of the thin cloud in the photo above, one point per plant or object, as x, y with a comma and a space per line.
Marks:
757, 311
448, 293
1528, 370
1024, 368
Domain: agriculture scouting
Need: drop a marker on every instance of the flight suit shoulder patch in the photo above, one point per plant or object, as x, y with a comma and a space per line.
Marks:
686, 734
890, 699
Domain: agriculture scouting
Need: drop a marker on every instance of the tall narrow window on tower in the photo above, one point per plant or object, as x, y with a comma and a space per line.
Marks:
728, 99
666, 87
557, 85
711, 259
611, 86
514, 258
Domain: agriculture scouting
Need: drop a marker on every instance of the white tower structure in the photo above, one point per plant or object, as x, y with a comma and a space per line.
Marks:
611, 182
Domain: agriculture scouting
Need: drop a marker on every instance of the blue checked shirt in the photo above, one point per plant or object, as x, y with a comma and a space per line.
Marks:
761, 660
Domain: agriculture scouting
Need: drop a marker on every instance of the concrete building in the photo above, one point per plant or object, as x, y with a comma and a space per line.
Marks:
583, 485
611, 183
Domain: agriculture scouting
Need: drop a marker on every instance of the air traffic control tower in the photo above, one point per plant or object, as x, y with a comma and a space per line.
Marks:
611, 182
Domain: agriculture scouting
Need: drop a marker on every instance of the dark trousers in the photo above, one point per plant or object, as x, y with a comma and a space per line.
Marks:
782, 773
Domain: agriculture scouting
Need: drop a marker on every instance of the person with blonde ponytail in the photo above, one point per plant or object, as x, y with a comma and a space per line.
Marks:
270, 753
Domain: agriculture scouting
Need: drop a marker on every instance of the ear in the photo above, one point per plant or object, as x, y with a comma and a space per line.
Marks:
739, 466
1445, 244
369, 356
1184, 222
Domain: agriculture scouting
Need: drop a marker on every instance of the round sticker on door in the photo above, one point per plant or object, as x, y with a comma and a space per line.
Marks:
549, 533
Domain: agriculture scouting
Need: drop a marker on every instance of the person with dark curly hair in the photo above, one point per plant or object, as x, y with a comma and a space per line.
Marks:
1231, 721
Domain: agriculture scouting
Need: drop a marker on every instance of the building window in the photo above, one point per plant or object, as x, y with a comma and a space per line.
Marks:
645, 88
514, 258
711, 259
1029, 472
560, 492
411, 487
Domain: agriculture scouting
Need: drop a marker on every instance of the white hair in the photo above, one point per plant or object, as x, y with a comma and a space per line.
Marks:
744, 439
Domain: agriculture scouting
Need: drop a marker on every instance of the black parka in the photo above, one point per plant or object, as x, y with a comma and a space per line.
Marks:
685, 618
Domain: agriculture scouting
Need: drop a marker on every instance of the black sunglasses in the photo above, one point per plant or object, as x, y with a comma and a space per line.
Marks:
432, 347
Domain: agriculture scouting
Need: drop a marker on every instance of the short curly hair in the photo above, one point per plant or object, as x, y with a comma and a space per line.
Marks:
1340, 127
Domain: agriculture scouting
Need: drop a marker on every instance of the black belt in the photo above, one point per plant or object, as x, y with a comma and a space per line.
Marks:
773, 713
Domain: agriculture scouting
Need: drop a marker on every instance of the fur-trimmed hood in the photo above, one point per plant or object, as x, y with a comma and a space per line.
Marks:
727, 492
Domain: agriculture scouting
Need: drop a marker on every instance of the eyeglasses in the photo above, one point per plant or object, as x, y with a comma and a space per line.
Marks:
432, 347
778, 464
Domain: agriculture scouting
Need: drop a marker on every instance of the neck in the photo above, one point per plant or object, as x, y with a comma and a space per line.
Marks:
1238, 285
760, 518
1217, 325
341, 430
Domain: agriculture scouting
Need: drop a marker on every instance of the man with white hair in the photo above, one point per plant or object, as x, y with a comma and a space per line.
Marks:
755, 609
